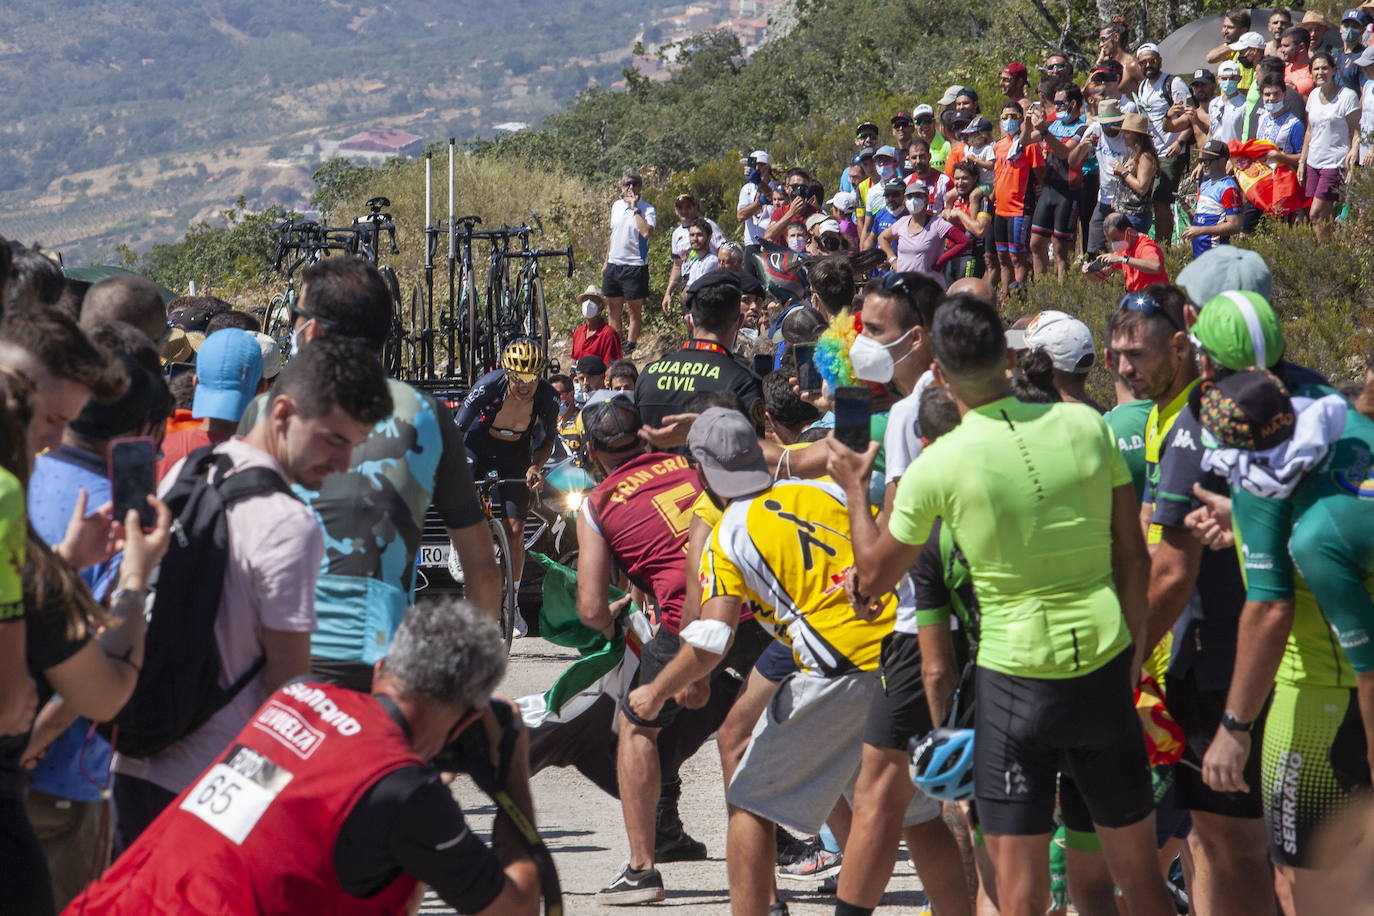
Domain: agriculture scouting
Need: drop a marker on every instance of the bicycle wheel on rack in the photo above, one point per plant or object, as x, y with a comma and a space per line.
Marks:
538, 318
473, 350
392, 351
277, 324
506, 568
416, 352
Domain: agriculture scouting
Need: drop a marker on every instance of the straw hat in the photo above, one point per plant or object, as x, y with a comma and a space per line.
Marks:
594, 293
1312, 17
1135, 124
1109, 111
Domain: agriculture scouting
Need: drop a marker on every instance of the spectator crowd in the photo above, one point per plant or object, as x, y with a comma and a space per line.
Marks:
869, 528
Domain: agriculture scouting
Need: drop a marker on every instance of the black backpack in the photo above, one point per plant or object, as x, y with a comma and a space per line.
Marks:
178, 688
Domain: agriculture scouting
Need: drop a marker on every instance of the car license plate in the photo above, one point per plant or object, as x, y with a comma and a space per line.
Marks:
434, 555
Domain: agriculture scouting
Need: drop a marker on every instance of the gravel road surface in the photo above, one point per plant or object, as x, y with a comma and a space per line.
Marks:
582, 825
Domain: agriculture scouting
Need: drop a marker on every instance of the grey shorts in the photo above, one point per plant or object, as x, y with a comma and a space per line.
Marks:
806, 750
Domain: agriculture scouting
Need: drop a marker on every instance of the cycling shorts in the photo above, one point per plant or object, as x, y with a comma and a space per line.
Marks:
1030, 728
1056, 215
1171, 821
1313, 756
899, 711
1011, 234
1198, 713
654, 656
507, 460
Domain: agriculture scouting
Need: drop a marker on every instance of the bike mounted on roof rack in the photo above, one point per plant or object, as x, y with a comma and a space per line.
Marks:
484, 312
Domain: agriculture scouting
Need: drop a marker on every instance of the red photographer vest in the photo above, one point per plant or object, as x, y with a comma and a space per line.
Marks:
255, 833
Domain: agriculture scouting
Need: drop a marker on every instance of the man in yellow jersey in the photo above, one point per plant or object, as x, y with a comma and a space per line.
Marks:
785, 548
1041, 501
1194, 592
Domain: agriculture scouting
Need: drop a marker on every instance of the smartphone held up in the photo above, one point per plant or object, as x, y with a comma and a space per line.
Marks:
132, 468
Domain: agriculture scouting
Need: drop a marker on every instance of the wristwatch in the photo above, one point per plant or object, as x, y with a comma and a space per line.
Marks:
1232, 724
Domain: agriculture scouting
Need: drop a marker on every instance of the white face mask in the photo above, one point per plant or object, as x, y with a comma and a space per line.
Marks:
887, 172
298, 340
916, 205
872, 361
589, 308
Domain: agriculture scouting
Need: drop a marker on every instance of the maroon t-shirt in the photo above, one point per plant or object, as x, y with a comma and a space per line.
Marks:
644, 510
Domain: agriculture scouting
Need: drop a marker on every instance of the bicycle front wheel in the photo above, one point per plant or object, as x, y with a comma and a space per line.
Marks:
506, 568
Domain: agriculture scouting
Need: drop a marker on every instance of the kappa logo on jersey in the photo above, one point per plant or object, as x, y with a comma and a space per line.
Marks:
287, 726
1184, 439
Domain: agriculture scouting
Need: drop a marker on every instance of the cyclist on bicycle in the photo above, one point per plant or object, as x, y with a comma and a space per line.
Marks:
510, 423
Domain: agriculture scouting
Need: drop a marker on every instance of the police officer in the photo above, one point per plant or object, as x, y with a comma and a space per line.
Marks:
706, 363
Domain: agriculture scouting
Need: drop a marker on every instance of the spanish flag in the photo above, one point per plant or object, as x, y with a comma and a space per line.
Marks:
1163, 736
1275, 189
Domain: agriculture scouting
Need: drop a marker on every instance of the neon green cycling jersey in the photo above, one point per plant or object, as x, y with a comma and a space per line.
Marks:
13, 538
1318, 547
1026, 490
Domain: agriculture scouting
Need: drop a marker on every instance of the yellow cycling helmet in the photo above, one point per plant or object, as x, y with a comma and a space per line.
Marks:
522, 360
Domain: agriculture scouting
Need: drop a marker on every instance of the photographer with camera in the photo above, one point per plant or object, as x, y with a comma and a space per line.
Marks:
325, 802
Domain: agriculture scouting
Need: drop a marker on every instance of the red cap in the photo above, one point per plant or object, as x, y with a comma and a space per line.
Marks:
1014, 69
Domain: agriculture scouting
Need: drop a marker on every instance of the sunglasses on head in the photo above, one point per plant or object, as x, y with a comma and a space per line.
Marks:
1146, 305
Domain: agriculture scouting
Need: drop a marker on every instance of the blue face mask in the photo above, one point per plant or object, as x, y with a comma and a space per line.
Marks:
1011, 125
1350, 35
1273, 107
1229, 87
1064, 115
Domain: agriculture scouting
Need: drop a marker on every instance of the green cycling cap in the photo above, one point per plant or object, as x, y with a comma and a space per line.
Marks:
1239, 330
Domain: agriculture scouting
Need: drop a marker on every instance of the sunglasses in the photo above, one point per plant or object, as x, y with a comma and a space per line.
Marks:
1056, 66
1061, 105
631, 184
1146, 305
524, 377
925, 121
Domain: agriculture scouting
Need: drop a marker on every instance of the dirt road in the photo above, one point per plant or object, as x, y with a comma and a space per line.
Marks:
582, 825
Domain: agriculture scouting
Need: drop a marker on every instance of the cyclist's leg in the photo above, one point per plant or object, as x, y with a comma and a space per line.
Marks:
1015, 772
1090, 880
1304, 735
1105, 753
1042, 231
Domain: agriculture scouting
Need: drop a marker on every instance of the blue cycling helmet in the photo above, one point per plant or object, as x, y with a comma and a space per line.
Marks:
942, 763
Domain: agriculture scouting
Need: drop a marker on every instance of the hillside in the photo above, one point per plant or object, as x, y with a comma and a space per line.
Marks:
120, 118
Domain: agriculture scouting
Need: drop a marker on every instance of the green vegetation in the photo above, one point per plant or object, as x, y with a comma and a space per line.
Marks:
842, 61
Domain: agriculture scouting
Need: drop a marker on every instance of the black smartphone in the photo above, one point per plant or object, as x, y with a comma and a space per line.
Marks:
133, 477
808, 379
853, 411
175, 369
763, 364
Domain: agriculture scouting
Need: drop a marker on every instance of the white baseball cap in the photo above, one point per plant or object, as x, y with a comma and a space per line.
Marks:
952, 93
1066, 339
1228, 68
757, 155
925, 110
844, 201
1249, 41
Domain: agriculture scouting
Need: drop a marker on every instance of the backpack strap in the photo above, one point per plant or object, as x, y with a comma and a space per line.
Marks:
255, 481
